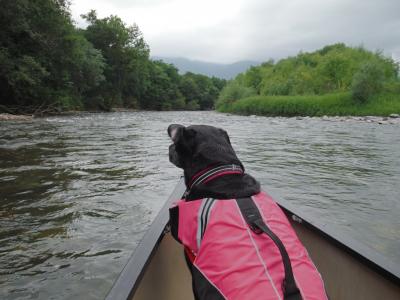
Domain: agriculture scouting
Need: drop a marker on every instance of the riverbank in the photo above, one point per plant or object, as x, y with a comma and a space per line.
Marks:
24, 117
338, 104
11, 117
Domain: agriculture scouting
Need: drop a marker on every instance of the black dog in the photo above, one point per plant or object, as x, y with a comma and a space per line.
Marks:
198, 147
223, 255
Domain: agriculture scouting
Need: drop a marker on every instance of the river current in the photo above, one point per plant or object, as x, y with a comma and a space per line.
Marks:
77, 193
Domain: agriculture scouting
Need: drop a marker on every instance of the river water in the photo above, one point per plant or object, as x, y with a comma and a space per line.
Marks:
78, 193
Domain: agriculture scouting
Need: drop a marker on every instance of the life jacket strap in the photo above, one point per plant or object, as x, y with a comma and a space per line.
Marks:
254, 220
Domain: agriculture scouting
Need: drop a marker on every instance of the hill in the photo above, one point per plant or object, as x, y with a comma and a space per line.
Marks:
225, 71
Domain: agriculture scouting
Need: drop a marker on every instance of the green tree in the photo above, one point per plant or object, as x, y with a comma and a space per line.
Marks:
46, 62
232, 92
41, 56
162, 92
329, 70
201, 90
126, 57
189, 88
368, 81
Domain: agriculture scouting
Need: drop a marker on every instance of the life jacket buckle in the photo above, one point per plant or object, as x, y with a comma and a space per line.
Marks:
255, 228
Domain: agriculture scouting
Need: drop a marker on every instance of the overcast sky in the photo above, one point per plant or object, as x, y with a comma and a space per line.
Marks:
226, 31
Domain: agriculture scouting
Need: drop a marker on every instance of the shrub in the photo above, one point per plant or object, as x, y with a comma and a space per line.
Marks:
368, 81
192, 105
392, 86
232, 92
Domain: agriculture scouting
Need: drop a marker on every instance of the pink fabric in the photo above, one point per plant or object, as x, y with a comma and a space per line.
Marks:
187, 228
242, 264
307, 277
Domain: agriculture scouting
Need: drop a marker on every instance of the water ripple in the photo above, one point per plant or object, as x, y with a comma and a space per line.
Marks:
78, 193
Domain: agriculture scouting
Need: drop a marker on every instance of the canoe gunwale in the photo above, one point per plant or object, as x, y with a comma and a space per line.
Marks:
360, 252
129, 279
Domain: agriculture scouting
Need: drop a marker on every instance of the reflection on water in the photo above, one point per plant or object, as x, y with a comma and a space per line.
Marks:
77, 193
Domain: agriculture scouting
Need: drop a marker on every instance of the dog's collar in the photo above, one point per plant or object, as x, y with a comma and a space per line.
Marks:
211, 173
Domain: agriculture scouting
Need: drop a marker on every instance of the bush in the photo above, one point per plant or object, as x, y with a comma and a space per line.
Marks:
192, 105
368, 81
179, 103
338, 104
392, 86
232, 92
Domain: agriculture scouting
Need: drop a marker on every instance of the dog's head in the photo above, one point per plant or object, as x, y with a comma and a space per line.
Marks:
197, 147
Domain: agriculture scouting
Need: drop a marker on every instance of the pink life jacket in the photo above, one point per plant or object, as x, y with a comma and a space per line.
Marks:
232, 260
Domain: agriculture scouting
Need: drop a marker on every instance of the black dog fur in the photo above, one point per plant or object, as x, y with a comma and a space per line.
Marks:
198, 147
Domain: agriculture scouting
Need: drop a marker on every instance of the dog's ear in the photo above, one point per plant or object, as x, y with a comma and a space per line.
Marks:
175, 132
179, 133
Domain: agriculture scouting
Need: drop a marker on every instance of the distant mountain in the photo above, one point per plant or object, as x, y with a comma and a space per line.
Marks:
226, 71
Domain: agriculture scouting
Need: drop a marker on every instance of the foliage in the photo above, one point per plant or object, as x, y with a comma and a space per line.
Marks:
200, 91
334, 69
126, 55
338, 104
161, 89
232, 92
46, 61
368, 81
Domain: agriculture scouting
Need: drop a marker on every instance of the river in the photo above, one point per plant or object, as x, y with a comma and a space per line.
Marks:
77, 193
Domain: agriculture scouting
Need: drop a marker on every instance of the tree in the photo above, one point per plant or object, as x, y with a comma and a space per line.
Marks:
201, 90
41, 55
368, 81
45, 62
232, 92
126, 57
162, 91
329, 70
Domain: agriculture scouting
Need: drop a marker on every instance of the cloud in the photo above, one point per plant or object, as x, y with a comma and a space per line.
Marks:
227, 31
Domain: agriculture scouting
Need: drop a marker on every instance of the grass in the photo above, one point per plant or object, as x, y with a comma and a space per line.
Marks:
339, 104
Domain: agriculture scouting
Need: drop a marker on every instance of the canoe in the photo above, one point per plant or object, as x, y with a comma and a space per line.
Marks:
157, 269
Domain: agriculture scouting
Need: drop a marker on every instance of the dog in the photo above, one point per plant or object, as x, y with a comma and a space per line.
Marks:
198, 147
220, 220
